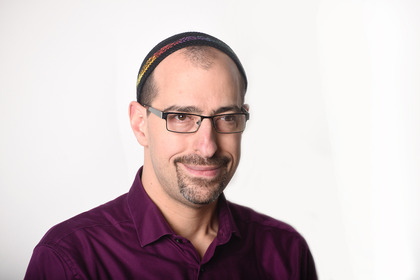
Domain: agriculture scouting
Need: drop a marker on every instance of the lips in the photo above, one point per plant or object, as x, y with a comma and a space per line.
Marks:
202, 170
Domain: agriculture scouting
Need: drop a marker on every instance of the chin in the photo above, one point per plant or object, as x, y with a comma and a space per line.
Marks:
202, 192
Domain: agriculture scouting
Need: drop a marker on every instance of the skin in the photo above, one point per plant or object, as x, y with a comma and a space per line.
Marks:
184, 174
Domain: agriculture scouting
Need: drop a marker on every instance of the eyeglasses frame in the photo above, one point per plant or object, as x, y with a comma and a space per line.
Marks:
164, 116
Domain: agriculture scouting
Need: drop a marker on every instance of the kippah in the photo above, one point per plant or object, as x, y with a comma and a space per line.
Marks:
177, 42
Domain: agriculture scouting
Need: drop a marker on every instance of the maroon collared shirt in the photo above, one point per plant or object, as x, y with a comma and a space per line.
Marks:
128, 238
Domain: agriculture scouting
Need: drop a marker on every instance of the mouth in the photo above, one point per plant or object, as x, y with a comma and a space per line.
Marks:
209, 169
203, 171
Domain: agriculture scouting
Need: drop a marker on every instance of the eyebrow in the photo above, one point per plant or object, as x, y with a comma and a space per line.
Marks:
196, 110
234, 108
185, 109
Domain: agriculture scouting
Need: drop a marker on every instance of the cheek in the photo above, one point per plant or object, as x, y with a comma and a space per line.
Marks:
165, 146
232, 145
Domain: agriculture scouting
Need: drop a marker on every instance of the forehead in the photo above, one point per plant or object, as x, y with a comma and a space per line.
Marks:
206, 79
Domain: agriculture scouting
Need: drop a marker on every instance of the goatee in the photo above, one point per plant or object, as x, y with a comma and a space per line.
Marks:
202, 191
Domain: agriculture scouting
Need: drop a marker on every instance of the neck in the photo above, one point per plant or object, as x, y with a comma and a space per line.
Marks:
192, 223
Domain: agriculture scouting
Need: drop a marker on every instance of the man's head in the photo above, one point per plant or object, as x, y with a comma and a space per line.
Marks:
191, 168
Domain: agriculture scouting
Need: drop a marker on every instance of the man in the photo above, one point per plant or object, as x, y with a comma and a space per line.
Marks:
175, 222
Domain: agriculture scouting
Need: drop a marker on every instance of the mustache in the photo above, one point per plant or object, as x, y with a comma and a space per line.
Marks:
198, 160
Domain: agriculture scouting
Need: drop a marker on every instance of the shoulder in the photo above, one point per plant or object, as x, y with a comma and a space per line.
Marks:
101, 218
62, 251
264, 226
247, 215
278, 246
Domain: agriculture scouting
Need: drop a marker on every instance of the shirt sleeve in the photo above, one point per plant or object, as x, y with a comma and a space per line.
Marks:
46, 264
308, 270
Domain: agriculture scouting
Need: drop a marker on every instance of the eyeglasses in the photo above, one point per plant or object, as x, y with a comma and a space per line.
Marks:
189, 123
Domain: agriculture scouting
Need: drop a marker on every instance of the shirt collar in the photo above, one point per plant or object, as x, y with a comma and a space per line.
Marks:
227, 225
151, 225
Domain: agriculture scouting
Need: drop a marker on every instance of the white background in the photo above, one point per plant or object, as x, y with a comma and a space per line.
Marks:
332, 146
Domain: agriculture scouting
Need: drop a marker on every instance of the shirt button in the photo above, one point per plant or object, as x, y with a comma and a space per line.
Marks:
178, 240
202, 269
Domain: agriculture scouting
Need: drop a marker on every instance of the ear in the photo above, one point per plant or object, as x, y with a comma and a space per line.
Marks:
138, 114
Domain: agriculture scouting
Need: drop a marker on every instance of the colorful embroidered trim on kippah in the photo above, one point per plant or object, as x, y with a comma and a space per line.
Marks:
164, 49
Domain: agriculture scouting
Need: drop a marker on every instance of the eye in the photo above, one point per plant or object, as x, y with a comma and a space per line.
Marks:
180, 117
229, 118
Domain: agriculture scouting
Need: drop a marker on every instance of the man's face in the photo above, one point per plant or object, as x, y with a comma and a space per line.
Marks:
194, 169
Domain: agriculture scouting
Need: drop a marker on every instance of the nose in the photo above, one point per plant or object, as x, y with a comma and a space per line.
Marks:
205, 142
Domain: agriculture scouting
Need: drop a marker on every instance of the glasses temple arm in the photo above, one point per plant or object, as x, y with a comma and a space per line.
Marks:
158, 113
